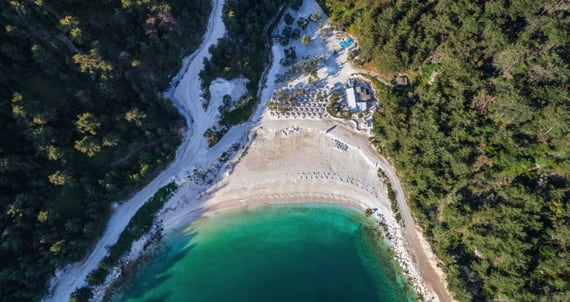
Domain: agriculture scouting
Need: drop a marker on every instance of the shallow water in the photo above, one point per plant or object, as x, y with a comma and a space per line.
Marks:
273, 253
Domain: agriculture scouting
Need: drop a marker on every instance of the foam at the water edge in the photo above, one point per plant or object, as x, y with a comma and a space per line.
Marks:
277, 253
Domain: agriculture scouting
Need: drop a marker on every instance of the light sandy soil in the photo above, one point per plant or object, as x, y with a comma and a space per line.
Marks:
296, 161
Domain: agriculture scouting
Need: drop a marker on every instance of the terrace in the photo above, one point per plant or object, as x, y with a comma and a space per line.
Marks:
359, 95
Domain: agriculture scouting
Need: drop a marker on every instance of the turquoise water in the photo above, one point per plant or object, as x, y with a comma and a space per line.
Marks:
277, 253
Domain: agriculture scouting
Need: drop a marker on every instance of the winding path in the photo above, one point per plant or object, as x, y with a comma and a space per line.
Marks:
411, 239
194, 151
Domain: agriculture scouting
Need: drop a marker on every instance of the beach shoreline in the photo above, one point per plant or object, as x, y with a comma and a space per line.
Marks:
348, 226
317, 171
280, 160
295, 160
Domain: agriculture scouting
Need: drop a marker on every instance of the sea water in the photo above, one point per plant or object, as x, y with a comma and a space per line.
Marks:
310, 252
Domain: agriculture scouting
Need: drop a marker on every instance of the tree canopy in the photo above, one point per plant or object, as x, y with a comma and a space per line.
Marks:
481, 135
83, 124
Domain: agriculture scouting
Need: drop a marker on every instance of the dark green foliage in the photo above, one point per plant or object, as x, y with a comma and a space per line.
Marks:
226, 104
483, 151
82, 121
243, 51
214, 135
290, 56
385, 31
394, 203
316, 17
306, 40
335, 107
242, 111
285, 36
296, 4
81, 295
289, 19
302, 23
296, 34
140, 224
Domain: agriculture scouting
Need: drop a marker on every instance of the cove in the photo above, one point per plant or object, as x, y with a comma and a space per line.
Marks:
308, 252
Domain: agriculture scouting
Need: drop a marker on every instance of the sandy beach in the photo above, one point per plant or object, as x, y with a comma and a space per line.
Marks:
296, 162
301, 156
309, 156
304, 161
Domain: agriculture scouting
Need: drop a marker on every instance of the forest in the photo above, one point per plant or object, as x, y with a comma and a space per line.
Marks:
480, 137
83, 121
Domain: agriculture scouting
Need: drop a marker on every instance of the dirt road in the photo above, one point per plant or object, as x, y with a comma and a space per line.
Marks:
413, 244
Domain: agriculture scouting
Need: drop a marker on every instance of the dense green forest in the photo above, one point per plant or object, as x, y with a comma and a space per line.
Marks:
82, 121
483, 148
242, 52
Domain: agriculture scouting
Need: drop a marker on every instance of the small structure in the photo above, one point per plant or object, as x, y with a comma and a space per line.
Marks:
345, 43
369, 122
343, 40
401, 81
359, 96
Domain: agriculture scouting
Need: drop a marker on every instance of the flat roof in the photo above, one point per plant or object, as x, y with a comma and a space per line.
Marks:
351, 98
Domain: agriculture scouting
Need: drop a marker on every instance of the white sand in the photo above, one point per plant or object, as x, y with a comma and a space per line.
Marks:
287, 161
294, 161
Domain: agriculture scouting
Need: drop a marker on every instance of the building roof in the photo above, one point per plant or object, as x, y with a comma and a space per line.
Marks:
351, 98
364, 94
359, 95
402, 80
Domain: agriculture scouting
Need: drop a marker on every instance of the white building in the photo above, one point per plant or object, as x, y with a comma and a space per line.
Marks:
358, 98
351, 99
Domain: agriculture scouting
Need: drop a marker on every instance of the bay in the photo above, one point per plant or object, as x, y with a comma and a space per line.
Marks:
307, 252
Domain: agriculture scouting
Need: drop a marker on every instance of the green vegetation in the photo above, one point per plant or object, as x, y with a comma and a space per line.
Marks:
81, 295
214, 135
290, 56
306, 40
336, 108
140, 224
483, 151
289, 19
296, 33
243, 51
285, 35
242, 110
82, 121
296, 4
316, 17
394, 203
306, 66
302, 23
